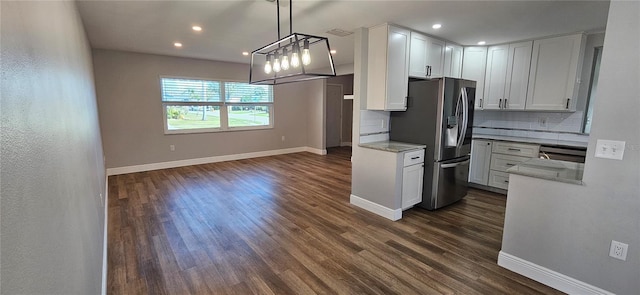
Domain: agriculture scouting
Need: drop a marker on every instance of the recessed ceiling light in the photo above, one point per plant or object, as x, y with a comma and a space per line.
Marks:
482, 43
245, 53
177, 44
437, 26
333, 51
197, 28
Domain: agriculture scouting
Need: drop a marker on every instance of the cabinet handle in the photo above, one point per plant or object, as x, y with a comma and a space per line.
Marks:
506, 181
500, 103
568, 100
512, 149
413, 158
481, 102
509, 164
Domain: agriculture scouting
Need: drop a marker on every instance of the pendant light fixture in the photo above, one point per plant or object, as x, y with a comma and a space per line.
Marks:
283, 61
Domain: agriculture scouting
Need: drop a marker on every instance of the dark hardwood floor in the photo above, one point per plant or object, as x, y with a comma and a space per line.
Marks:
284, 225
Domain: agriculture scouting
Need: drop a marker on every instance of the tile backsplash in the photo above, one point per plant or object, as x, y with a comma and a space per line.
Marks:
538, 121
374, 126
542, 125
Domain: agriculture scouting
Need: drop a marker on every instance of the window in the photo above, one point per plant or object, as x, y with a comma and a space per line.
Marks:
207, 106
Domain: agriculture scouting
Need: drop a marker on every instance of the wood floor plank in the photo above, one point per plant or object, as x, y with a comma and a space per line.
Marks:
284, 225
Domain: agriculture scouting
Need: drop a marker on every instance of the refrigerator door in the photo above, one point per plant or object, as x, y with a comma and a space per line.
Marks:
456, 119
449, 182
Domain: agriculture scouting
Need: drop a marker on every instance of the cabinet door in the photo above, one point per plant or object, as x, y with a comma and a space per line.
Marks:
495, 76
474, 61
418, 56
397, 74
554, 73
388, 58
412, 185
480, 161
435, 57
453, 61
517, 79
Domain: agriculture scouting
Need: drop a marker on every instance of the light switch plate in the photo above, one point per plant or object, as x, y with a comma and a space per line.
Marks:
610, 149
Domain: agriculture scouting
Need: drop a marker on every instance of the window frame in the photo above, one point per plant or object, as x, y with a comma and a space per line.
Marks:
222, 104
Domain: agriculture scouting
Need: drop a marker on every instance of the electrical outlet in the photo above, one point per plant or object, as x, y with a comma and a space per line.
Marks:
543, 122
172, 147
610, 149
618, 250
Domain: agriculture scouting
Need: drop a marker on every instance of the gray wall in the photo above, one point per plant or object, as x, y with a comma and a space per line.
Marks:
593, 41
316, 112
569, 228
52, 175
128, 91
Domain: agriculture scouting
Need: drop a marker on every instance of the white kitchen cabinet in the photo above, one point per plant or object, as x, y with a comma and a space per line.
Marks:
480, 161
474, 61
387, 74
505, 155
517, 77
453, 60
412, 178
553, 77
495, 76
426, 56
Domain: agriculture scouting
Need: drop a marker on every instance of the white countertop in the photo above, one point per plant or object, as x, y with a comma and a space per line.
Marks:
392, 146
532, 140
555, 170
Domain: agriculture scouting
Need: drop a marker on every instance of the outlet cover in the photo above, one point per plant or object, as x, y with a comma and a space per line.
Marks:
618, 250
610, 149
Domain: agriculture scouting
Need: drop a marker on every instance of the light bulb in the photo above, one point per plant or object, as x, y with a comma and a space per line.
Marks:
276, 64
306, 56
285, 63
267, 65
295, 59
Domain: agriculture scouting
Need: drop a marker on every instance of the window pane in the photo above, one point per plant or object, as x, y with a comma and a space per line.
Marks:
244, 115
192, 117
190, 90
244, 92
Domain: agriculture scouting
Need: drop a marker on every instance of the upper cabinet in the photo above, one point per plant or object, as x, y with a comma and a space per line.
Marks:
387, 74
507, 76
453, 60
427, 56
474, 63
553, 78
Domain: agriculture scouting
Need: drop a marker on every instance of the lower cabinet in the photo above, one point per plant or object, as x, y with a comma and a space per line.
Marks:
480, 161
412, 178
490, 160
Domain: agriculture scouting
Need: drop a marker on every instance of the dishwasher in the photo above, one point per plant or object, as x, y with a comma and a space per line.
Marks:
563, 153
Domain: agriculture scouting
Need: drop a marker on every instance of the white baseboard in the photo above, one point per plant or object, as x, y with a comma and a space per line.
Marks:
104, 239
546, 276
345, 143
376, 208
198, 161
316, 151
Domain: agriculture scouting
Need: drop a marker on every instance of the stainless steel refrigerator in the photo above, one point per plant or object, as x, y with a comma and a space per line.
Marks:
439, 115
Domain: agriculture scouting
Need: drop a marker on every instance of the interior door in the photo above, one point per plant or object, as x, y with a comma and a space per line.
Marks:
333, 115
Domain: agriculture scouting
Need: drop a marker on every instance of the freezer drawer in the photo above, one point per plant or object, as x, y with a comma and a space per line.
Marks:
450, 183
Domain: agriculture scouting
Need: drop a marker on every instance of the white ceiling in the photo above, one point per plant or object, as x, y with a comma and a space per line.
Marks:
230, 27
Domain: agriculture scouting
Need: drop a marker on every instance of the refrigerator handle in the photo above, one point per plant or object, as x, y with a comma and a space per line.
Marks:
451, 165
465, 116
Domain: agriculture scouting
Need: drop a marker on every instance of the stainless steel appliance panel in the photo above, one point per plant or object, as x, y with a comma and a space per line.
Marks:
456, 114
450, 183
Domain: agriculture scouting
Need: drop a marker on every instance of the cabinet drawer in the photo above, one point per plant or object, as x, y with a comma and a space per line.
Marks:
499, 179
516, 149
413, 157
502, 162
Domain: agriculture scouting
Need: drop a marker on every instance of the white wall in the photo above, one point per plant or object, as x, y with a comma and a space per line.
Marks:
53, 177
569, 228
131, 118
